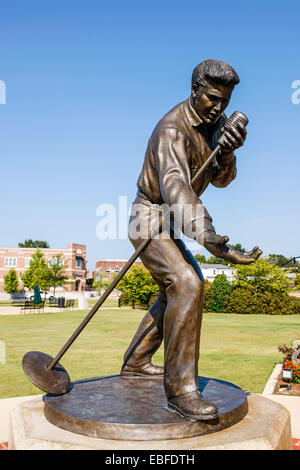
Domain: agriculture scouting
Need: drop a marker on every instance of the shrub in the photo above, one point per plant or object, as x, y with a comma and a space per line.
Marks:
216, 297
248, 301
207, 295
286, 351
125, 298
241, 301
297, 282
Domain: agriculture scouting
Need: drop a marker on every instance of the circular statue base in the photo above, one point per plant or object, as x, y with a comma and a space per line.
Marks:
136, 409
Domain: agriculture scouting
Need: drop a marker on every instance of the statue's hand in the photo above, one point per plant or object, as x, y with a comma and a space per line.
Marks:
217, 245
233, 138
236, 257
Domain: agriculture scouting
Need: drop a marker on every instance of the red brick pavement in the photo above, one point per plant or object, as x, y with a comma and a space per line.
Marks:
296, 444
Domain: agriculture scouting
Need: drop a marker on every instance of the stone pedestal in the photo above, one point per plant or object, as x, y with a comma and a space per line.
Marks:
265, 426
83, 303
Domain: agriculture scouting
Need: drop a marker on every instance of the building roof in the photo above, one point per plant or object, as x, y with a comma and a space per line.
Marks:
214, 266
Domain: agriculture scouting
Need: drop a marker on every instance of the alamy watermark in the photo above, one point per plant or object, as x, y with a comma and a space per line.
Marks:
2, 92
2, 352
296, 94
188, 222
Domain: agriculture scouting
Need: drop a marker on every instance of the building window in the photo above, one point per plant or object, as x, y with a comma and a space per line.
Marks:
55, 261
78, 262
10, 262
27, 262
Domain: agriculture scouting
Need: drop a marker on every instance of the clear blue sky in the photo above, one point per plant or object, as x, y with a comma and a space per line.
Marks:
88, 80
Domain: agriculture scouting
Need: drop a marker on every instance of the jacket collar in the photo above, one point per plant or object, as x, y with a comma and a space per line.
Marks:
192, 116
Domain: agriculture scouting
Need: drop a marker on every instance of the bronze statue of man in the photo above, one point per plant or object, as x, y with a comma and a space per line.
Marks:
179, 145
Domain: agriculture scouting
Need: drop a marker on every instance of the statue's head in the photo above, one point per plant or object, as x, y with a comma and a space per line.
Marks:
212, 84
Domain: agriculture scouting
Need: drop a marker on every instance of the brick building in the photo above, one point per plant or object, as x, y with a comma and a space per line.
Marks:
19, 259
111, 266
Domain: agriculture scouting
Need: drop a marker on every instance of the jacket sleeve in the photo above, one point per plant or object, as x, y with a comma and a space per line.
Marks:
225, 171
172, 149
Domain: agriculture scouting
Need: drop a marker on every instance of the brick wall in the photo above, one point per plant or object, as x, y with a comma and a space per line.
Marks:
18, 259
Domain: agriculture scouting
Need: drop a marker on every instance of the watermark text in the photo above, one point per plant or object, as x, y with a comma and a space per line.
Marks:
188, 222
296, 93
2, 352
2, 92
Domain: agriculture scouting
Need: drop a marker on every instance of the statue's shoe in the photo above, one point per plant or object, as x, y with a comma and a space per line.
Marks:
193, 407
146, 371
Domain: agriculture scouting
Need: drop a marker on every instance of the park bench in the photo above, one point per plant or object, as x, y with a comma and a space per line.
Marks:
18, 302
70, 304
30, 307
53, 302
67, 304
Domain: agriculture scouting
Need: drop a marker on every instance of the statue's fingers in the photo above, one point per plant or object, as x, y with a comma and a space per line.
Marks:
242, 129
235, 136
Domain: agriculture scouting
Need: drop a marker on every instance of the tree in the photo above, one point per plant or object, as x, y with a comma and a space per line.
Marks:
200, 258
11, 282
239, 247
57, 272
218, 294
138, 284
34, 244
280, 260
99, 283
261, 276
215, 260
37, 273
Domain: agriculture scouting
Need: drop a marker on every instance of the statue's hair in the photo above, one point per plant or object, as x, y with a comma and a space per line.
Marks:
214, 71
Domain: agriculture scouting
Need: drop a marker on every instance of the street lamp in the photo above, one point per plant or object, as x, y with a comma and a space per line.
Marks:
292, 259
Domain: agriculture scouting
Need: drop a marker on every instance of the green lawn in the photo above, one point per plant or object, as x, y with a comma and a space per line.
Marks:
238, 348
107, 303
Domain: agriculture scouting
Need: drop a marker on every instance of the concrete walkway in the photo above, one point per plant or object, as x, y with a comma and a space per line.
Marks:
17, 310
292, 403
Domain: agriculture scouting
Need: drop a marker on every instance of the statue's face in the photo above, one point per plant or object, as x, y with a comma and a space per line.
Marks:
211, 101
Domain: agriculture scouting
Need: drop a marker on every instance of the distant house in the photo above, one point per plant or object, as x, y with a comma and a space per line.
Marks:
210, 271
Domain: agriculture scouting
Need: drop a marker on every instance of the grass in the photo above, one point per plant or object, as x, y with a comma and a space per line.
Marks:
107, 303
241, 349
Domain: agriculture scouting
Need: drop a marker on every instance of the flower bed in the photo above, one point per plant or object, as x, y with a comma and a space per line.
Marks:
295, 367
281, 385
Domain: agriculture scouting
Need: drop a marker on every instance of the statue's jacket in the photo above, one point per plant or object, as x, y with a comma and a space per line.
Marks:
177, 148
